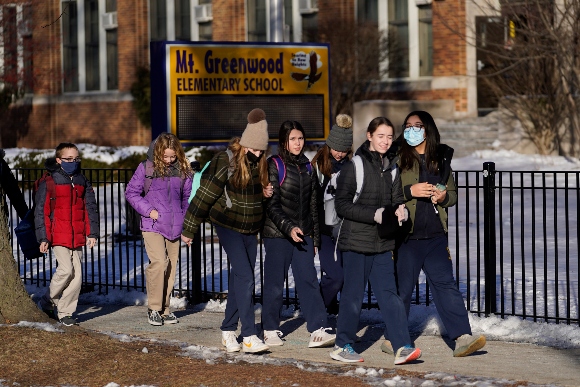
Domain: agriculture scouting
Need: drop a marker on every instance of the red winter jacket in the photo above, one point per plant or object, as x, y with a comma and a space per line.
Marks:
75, 215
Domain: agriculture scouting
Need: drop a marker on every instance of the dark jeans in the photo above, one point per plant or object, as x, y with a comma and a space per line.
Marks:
331, 274
432, 255
241, 250
280, 254
379, 269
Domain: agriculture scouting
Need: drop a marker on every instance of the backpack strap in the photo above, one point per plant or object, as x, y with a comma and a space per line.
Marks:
319, 175
281, 168
230, 173
149, 172
360, 174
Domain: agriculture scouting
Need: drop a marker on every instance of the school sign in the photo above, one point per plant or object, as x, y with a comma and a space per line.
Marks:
203, 92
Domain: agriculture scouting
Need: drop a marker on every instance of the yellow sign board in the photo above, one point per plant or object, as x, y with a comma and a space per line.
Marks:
288, 81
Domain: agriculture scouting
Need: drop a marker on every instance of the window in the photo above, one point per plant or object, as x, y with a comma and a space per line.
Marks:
182, 20
425, 41
92, 44
288, 22
310, 27
112, 51
10, 47
70, 46
368, 11
205, 28
158, 19
398, 12
257, 21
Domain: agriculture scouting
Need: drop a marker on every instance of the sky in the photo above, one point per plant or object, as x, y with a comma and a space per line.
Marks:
422, 318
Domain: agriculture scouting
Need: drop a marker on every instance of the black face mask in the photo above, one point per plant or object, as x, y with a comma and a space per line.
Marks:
253, 158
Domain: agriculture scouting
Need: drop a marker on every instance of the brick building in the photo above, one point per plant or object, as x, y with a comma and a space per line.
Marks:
76, 60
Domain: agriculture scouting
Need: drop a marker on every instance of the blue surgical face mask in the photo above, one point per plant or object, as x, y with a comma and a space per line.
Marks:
71, 168
414, 137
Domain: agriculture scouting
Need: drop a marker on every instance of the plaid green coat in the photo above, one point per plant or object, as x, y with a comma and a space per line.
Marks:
246, 214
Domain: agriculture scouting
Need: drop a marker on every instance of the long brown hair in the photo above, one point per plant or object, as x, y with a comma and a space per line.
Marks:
408, 155
169, 141
242, 175
323, 160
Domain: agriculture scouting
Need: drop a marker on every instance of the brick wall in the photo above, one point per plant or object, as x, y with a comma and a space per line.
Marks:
229, 20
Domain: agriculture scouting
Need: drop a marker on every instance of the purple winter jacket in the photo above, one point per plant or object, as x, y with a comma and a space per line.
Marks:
166, 195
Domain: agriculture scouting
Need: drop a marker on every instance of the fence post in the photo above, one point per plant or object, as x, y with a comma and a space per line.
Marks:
196, 267
489, 237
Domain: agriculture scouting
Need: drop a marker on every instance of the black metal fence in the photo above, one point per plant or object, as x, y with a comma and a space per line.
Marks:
513, 237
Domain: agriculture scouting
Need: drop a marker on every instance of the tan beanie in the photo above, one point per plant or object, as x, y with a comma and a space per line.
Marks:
256, 134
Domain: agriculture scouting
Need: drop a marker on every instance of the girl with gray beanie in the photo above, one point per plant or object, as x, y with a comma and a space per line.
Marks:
328, 161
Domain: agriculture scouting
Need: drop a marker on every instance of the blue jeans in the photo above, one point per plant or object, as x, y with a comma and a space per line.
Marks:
432, 256
280, 254
379, 269
331, 274
241, 250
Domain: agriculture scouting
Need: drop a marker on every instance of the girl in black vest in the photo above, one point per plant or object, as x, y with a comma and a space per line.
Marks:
365, 255
290, 237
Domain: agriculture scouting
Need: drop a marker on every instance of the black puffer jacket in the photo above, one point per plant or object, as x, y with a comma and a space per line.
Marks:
359, 229
294, 203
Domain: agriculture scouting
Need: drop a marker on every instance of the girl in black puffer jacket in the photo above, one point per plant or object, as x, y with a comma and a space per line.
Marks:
291, 234
365, 255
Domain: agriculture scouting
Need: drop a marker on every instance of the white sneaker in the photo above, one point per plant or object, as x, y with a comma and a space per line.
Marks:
273, 338
230, 341
319, 338
252, 344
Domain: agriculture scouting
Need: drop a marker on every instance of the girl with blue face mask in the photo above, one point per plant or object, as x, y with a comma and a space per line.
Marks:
421, 159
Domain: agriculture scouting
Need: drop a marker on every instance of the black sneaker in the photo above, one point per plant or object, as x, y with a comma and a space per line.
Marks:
69, 321
154, 317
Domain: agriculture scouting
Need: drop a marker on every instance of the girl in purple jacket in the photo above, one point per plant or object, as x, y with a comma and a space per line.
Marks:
165, 180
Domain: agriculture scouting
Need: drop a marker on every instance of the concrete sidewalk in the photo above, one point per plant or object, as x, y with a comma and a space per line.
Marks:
498, 360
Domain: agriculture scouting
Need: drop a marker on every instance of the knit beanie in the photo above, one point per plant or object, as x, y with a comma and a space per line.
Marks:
340, 136
255, 135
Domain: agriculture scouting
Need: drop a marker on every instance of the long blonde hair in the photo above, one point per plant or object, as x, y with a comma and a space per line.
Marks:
170, 141
242, 175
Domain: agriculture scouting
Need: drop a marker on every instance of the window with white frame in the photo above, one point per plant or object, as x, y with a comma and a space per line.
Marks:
182, 19
158, 20
257, 23
398, 16
89, 45
204, 27
425, 41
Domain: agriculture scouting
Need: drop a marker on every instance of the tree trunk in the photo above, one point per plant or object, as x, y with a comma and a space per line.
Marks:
15, 303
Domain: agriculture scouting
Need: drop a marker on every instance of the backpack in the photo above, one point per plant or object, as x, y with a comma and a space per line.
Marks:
25, 231
331, 218
281, 167
196, 181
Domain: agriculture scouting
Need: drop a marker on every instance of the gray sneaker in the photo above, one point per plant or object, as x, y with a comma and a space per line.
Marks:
169, 319
407, 354
467, 344
154, 317
346, 354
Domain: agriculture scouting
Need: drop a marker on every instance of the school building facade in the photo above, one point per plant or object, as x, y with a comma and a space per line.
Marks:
75, 61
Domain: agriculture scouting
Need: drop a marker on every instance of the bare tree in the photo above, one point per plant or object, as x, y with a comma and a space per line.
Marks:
357, 51
536, 69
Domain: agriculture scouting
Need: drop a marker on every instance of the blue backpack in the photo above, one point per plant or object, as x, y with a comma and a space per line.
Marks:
196, 181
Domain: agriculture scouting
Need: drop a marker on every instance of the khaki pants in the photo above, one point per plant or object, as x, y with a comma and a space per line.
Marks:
160, 273
65, 285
